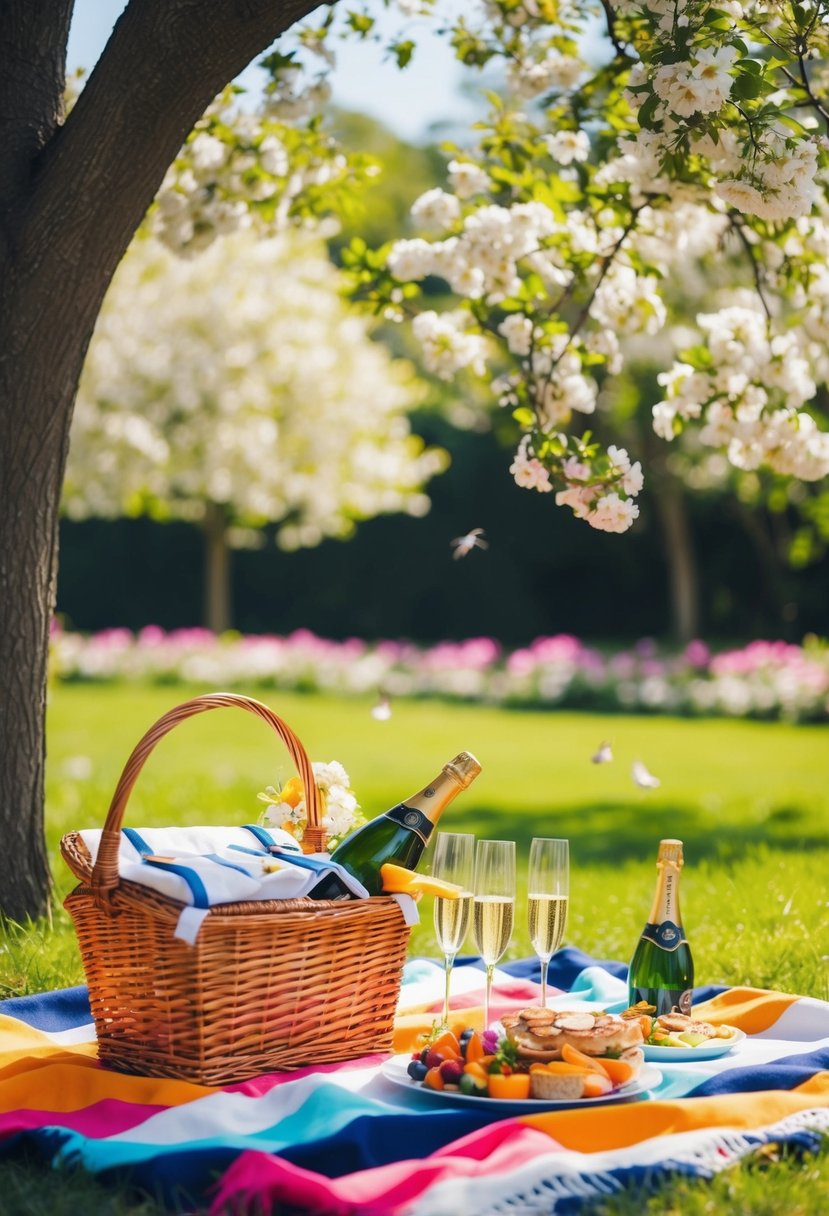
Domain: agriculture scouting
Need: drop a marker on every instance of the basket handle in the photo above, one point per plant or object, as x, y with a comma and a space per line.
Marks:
105, 870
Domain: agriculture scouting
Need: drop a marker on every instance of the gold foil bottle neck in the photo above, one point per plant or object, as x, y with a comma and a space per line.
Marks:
670, 851
464, 768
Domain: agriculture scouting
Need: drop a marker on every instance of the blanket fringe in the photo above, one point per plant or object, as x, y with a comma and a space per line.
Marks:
549, 1184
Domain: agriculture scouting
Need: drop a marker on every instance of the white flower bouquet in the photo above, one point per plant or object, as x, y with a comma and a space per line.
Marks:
285, 804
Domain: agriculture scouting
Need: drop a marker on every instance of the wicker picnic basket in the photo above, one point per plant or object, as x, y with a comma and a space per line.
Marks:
268, 985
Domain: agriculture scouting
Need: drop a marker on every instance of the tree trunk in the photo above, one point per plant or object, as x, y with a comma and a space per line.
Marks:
217, 593
71, 198
683, 580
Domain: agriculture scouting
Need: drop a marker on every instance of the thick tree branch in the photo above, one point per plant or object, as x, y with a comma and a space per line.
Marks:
610, 21
33, 54
164, 63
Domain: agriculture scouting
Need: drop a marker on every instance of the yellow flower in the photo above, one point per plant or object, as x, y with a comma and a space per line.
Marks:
293, 792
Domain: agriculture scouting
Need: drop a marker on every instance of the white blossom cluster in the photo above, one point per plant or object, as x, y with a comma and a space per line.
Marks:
242, 170
481, 259
486, 253
240, 378
448, 344
557, 239
606, 510
761, 170
749, 396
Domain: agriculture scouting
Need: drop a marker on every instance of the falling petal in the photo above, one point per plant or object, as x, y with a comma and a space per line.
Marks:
643, 777
381, 712
471, 540
604, 755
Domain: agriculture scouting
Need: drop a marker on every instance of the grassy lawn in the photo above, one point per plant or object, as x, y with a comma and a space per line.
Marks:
750, 801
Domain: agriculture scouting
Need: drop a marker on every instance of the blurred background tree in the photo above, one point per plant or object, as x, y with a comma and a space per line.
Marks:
234, 390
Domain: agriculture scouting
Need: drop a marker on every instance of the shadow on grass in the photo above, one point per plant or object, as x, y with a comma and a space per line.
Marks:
605, 833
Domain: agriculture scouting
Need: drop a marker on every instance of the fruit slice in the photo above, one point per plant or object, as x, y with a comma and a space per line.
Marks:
474, 1049
476, 1069
560, 1068
620, 1071
515, 1087
434, 1080
447, 1045
693, 1040
397, 880
595, 1085
573, 1056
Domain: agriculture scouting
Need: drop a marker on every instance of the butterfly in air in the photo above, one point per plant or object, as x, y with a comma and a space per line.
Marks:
472, 540
643, 777
603, 756
381, 712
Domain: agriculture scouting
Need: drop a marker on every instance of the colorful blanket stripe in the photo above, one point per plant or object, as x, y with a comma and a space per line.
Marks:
342, 1139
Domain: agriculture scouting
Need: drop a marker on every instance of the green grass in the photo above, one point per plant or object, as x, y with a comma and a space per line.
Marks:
750, 800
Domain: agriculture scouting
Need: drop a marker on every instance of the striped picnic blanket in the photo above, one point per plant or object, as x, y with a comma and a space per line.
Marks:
344, 1139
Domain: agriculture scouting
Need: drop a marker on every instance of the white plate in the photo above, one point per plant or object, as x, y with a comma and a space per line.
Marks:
709, 1050
394, 1070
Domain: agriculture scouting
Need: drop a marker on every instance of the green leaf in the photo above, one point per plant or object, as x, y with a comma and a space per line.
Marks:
647, 112
747, 86
403, 52
360, 23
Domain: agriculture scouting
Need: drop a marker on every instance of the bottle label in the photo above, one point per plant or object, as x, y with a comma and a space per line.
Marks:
666, 1000
667, 935
411, 819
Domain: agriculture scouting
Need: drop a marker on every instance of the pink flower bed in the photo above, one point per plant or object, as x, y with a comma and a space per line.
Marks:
762, 679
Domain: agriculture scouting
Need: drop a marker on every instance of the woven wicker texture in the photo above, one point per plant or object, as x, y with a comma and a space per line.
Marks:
268, 985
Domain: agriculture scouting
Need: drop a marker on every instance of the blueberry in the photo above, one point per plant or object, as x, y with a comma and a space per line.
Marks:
466, 1035
416, 1070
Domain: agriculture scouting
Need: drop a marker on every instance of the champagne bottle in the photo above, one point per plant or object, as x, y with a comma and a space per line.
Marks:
662, 969
401, 834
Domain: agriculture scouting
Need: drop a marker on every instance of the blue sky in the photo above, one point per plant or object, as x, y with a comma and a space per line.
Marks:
409, 102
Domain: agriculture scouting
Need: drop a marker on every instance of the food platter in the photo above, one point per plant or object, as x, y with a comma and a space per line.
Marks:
394, 1070
711, 1049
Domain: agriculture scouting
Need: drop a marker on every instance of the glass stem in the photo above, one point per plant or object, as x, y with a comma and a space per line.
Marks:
544, 964
448, 963
489, 973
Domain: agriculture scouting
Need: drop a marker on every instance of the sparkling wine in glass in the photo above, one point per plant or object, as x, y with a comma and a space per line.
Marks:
493, 908
548, 885
454, 861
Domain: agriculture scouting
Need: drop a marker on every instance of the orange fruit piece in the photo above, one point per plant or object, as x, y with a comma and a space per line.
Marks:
433, 1079
475, 1049
596, 1084
515, 1087
448, 1045
476, 1069
619, 1071
561, 1068
573, 1056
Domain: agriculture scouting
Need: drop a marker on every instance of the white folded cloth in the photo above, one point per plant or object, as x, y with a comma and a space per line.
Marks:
205, 866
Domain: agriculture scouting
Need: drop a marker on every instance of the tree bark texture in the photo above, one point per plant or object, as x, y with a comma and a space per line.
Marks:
71, 198
683, 581
218, 612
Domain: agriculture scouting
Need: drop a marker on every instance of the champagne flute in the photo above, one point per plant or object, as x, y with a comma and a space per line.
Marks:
547, 892
494, 905
454, 861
